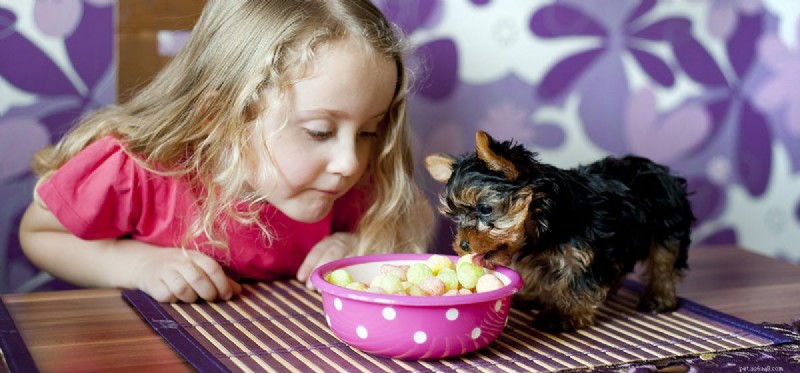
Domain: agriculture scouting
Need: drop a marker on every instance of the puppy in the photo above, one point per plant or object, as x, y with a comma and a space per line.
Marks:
572, 234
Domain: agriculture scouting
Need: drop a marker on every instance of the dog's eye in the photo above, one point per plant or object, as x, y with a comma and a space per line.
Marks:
484, 209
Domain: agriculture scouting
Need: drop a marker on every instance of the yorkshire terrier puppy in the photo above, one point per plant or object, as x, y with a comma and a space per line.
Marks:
572, 234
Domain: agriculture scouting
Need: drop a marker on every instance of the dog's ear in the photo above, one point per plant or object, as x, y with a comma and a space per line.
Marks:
495, 162
440, 166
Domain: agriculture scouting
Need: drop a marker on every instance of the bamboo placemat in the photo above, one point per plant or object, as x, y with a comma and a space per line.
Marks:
279, 326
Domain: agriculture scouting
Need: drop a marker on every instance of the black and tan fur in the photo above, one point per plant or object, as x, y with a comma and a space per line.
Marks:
572, 234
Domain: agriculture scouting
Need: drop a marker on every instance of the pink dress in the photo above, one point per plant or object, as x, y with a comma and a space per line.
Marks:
103, 193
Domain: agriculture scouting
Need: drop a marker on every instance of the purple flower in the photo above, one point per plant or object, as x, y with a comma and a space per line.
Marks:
563, 20
57, 18
15, 155
604, 81
664, 138
779, 91
723, 17
507, 121
101, 3
411, 15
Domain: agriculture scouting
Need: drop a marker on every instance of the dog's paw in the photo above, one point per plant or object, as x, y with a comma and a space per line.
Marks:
553, 322
549, 322
525, 304
657, 304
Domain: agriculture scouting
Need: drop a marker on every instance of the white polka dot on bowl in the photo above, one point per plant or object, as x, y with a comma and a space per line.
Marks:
361, 331
389, 313
452, 314
420, 337
338, 304
476, 333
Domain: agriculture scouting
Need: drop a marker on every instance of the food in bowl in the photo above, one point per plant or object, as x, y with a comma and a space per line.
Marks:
412, 327
435, 276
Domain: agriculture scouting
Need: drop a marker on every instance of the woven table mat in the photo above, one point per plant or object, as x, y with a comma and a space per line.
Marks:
279, 326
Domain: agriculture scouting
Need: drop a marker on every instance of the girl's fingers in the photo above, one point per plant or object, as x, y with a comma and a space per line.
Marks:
161, 293
333, 247
216, 276
181, 288
309, 263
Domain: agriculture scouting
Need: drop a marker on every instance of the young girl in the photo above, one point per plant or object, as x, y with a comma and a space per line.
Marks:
275, 141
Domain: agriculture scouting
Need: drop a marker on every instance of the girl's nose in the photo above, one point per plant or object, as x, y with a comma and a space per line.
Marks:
344, 160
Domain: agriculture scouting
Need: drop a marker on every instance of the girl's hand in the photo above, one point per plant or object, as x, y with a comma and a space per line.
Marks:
335, 246
171, 275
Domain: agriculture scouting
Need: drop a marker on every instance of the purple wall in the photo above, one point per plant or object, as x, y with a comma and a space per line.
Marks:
704, 86
56, 62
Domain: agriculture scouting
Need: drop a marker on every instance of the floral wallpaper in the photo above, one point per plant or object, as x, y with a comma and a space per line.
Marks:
56, 62
702, 86
705, 86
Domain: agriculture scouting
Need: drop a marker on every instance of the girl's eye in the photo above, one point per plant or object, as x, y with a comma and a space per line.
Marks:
319, 135
371, 135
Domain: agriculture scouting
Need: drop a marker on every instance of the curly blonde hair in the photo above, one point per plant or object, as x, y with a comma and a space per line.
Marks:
193, 121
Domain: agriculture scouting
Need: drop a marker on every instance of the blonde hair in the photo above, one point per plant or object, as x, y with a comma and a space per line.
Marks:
193, 121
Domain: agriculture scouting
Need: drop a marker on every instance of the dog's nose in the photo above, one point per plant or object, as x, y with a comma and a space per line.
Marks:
465, 246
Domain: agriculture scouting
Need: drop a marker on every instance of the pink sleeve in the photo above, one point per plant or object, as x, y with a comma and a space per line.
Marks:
92, 195
348, 210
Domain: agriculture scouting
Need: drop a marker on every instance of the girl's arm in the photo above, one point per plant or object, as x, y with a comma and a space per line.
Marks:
166, 274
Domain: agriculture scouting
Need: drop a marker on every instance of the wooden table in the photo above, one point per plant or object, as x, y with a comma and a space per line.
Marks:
96, 330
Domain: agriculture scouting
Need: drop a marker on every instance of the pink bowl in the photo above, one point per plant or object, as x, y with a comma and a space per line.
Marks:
412, 327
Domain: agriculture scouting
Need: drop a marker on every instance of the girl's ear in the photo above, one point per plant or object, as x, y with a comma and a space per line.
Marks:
495, 162
440, 166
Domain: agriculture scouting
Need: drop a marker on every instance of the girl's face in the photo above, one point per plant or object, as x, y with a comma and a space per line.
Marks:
319, 138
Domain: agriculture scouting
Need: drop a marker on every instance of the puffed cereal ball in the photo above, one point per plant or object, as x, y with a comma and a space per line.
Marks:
465, 259
488, 282
418, 272
399, 271
392, 284
355, 285
376, 281
449, 278
414, 289
468, 274
340, 277
438, 262
375, 290
432, 285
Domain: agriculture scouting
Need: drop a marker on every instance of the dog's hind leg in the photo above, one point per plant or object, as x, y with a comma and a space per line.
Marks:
661, 277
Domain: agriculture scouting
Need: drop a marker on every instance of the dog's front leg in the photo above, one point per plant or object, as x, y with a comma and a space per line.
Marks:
569, 294
571, 310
